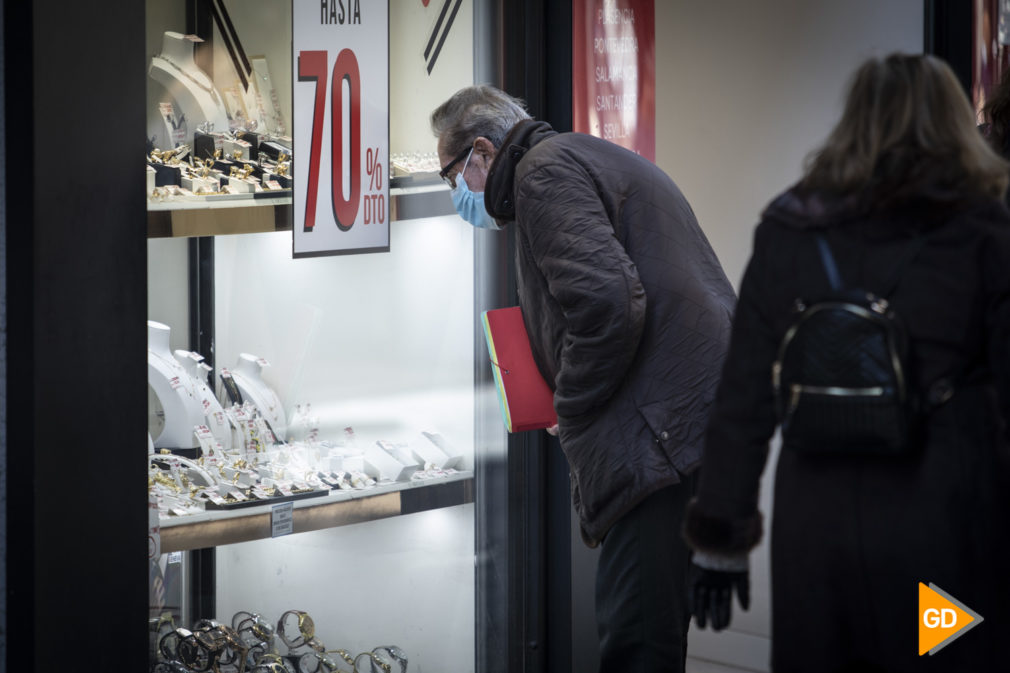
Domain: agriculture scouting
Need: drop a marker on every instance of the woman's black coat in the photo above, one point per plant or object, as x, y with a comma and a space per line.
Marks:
852, 537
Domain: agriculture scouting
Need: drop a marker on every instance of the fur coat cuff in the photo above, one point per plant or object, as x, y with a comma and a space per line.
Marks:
720, 535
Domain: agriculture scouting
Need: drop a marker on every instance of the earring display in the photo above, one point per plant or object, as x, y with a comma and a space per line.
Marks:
213, 412
247, 375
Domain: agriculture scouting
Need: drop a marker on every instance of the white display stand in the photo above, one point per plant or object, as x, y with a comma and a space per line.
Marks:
213, 413
249, 379
175, 390
193, 91
430, 448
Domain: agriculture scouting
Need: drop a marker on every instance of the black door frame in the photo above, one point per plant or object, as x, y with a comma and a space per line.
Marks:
75, 258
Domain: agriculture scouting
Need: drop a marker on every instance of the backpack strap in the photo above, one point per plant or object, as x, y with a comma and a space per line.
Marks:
828, 262
835, 277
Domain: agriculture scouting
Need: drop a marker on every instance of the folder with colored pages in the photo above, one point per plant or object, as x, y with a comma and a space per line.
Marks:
526, 400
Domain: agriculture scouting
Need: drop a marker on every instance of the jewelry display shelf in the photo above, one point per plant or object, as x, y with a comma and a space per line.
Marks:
340, 508
211, 218
408, 199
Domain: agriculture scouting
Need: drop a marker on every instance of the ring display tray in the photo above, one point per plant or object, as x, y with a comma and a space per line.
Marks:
254, 502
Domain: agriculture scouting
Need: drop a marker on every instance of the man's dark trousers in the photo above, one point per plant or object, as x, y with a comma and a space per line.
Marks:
641, 586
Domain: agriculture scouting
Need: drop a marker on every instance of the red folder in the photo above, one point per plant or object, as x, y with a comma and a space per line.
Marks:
527, 402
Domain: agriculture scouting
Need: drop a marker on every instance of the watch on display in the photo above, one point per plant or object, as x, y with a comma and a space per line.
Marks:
373, 663
393, 656
253, 628
317, 662
275, 663
296, 628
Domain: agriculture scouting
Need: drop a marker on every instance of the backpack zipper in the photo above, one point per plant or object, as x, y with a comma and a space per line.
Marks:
873, 315
797, 389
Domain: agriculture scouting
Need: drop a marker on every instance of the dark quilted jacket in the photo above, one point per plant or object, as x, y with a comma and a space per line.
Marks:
627, 308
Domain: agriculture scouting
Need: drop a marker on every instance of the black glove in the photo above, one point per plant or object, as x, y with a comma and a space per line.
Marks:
710, 594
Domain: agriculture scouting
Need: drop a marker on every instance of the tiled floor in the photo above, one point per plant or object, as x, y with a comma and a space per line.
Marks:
700, 666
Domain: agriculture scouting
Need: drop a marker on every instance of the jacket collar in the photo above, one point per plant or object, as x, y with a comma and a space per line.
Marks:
499, 189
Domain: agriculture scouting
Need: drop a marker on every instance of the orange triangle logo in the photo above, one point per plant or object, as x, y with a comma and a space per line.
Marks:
942, 619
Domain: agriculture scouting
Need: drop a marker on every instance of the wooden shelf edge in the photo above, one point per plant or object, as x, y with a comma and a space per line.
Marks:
250, 219
256, 525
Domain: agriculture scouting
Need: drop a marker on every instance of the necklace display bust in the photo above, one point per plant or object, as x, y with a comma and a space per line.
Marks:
248, 377
175, 390
214, 416
193, 91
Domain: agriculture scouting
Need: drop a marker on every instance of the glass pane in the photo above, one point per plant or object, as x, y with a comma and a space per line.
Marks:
362, 367
218, 115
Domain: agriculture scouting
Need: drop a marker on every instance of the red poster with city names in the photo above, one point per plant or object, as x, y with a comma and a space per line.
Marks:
614, 72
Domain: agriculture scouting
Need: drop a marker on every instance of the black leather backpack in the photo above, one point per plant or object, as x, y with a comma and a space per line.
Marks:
841, 378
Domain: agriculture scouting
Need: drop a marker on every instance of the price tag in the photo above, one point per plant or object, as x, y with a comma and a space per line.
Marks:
341, 128
203, 432
282, 519
216, 499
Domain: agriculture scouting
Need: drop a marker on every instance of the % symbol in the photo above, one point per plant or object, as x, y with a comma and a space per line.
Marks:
373, 168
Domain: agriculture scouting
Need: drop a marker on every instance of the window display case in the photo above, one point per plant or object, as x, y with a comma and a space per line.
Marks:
315, 424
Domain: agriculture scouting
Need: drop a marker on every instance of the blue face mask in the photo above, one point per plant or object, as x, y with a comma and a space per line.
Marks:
470, 205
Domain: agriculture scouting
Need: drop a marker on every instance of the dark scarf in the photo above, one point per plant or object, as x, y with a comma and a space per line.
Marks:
499, 189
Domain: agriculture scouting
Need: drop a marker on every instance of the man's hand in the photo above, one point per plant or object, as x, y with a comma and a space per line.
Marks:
553, 430
710, 594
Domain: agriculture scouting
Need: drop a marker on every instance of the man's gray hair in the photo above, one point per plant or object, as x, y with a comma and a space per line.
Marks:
474, 111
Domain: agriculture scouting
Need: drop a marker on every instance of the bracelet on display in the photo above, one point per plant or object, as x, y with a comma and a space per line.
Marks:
210, 648
254, 654
206, 624
269, 667
276, 663
190, 465
306, 628
163, 624
375, 663
392, 654
169, 667
254, 625
344, 654
317, 662
169, 643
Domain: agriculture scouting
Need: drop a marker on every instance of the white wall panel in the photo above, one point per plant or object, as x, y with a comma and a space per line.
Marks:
745, 91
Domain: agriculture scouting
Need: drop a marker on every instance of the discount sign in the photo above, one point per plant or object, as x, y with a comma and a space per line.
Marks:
341, 129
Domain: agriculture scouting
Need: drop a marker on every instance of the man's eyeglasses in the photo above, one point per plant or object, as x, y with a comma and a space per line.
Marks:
444, 173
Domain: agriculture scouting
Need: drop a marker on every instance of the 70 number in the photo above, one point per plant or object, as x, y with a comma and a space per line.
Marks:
312, 66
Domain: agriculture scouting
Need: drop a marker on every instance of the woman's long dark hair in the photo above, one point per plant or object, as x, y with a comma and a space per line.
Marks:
907, 131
